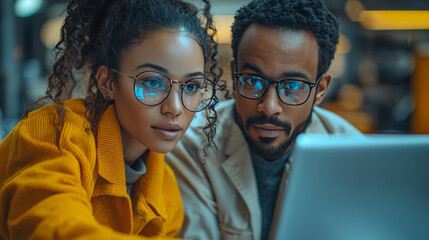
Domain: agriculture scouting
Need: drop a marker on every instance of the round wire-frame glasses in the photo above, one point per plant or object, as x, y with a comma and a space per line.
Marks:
152, 88
290, 91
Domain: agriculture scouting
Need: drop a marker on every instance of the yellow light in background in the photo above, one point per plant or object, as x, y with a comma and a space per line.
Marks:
395, 20
344, 46
51, 32
338, 66
354, 9
223, 24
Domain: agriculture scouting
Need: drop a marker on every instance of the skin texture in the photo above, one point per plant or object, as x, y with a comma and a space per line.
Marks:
270, 126
173, 53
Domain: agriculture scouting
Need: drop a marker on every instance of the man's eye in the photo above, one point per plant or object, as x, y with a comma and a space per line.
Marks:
294, 86
255, 82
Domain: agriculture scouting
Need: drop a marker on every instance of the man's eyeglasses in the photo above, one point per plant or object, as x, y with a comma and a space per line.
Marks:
290, 91
152, 88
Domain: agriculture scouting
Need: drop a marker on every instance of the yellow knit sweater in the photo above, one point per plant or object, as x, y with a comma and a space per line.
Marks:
78, 190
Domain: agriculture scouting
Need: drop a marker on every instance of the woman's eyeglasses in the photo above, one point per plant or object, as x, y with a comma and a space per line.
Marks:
152, 88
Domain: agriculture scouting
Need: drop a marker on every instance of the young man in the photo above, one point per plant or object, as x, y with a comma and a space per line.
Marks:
282, 50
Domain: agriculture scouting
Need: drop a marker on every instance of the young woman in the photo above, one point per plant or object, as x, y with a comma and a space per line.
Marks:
94, 168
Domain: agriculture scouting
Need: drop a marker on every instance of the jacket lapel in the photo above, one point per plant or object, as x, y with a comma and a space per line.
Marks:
152, 182
148, 200
239, 168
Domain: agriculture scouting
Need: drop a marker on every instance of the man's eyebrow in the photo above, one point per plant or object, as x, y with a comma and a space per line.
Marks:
289, 74
165, 71
250, 66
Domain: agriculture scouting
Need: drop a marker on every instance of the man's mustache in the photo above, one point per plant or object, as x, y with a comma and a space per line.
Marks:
270, 120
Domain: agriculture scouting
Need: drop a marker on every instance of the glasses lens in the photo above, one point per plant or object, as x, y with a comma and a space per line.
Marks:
251, 86
293, 92
197, 94
151, 88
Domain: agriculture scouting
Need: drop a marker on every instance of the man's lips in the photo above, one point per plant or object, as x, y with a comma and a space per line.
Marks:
267, 130
168, 131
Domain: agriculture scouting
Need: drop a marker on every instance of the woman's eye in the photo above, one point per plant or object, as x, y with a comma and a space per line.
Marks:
192, 87
153, 83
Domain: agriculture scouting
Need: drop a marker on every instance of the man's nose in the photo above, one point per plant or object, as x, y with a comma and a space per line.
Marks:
270, 104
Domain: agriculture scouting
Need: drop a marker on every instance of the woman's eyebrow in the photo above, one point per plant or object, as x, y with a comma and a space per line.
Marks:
194, 74
165, 71
153, 66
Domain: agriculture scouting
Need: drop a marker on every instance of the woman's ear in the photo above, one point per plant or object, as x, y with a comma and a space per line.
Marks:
105, 82
322, 88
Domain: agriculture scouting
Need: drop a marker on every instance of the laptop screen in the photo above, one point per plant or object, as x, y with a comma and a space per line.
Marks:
356, 187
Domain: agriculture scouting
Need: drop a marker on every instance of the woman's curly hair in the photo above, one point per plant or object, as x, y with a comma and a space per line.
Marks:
307, 15
96, 32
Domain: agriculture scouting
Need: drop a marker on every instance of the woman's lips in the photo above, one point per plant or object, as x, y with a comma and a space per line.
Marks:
267, 130
167, 131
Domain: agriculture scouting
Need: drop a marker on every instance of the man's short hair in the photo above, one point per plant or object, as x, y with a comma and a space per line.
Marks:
307, 15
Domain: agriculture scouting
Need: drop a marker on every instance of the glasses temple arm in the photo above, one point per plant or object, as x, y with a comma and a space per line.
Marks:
123, 74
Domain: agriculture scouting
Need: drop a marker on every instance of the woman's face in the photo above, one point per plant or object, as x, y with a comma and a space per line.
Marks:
158, 128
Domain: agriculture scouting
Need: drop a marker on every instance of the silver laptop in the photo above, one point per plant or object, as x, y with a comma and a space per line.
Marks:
356, 188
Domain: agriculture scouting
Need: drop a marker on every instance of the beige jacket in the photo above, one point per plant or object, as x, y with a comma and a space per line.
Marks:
221, 199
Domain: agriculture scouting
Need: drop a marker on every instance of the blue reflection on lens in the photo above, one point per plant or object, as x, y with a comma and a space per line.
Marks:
292, 96
259, 86
139, 93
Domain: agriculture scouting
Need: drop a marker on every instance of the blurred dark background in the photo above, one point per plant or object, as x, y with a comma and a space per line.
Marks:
380, 70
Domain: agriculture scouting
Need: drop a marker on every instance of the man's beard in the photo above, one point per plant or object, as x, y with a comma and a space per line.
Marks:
263, 148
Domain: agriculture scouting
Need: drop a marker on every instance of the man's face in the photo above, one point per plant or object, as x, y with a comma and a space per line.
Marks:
269, 125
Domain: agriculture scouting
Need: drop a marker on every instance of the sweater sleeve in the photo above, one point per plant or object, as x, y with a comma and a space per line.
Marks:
46, 182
